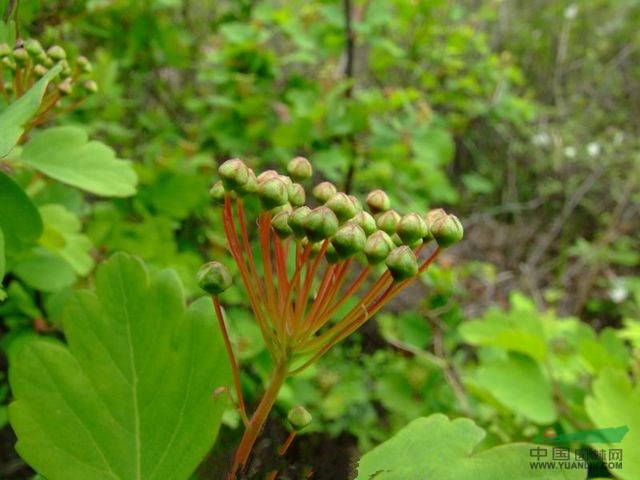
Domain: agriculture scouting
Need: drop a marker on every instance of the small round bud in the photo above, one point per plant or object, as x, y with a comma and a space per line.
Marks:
65, 87
378, 201
296, 220
324, 191
447, 230
280, 223
388, 221
412, 227
349, 240
266, 175
56, 52
250, 187
286, 179
342, 206
40, 70
430, 218
214, 278
402, 263
272, 193
65, 72
300, 169
217, 193
320, 223
296, 195
20, 55
90, 86
315, 246
299, 417
34, 48
366, 222
84, 64
233, 173
356, 203
10, 63
5, 50
331, 255
377, 247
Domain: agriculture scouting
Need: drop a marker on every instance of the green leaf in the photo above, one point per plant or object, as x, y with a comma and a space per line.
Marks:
131, 396
16, 115
44, 270
438, 448
19, 218
66, 154
614, 403
62, 236
2, 258
519, 383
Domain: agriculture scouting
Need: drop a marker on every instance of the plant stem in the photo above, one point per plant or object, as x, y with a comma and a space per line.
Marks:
258, 419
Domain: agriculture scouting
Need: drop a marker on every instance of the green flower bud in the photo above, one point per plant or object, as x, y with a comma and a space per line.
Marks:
300, 169
447, 230
377, 247
5, 50
84, 64
378, 201
402, 263
349, 240
320, 223
331, 255
65, 87
40, 70
286, 179
315, 246
388, 221
324, 191
431, 217
280, 223
412, 227
272, 193
299, 417
34, 48
233, 173
250, 187
10, 63
66, 69
296, 220
56, 52
20, 55
296, 195
214, 278
397, 241
366, 222
47, 61
90, 86
342, 206
217, 193
266, 175
356, 203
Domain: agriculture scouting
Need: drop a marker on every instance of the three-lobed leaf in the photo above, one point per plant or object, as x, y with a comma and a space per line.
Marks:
66, 154
131, 395
435, 447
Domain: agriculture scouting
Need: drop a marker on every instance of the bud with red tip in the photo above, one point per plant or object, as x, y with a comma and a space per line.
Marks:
297, 195
378, 201
447, 230
320, 224
214, 278
300, 169
324, 191
272, 193
377, 247
280, 223
402, 263
233, 173
366, 222
251, 185
342, 206
349, 240
296, 220
412, 227
388, 221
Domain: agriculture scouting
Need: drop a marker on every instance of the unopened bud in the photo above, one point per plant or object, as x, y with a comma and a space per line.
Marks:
250, 187
20, 55
331, 255
217, 193
90, 86
402, 263
296, 195
65, 87
266, 175
296, 220
349, 240
378, 201
33, 47
431, 216
280, 223
299, 417
272, 193
320, 223
40, 70
315, 246
388, 221
214, 278
56, 52
65, 72
324, 191
342, 206
377, 247
447, 230
412, 227
10, 63
5, 50
356, 203
366, 222
233, 173
300, 169
84, 64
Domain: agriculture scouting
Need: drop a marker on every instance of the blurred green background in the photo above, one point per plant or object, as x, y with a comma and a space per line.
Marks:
522, 117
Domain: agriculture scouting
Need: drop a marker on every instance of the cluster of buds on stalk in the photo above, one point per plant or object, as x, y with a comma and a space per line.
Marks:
27, 61
313, 256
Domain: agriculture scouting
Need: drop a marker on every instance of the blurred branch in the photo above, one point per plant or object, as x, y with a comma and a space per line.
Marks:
350, 44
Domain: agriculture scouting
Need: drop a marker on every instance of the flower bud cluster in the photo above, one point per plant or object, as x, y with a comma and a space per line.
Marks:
378, 235
27, 61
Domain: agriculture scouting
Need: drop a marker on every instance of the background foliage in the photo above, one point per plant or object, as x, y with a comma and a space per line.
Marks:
521, 117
